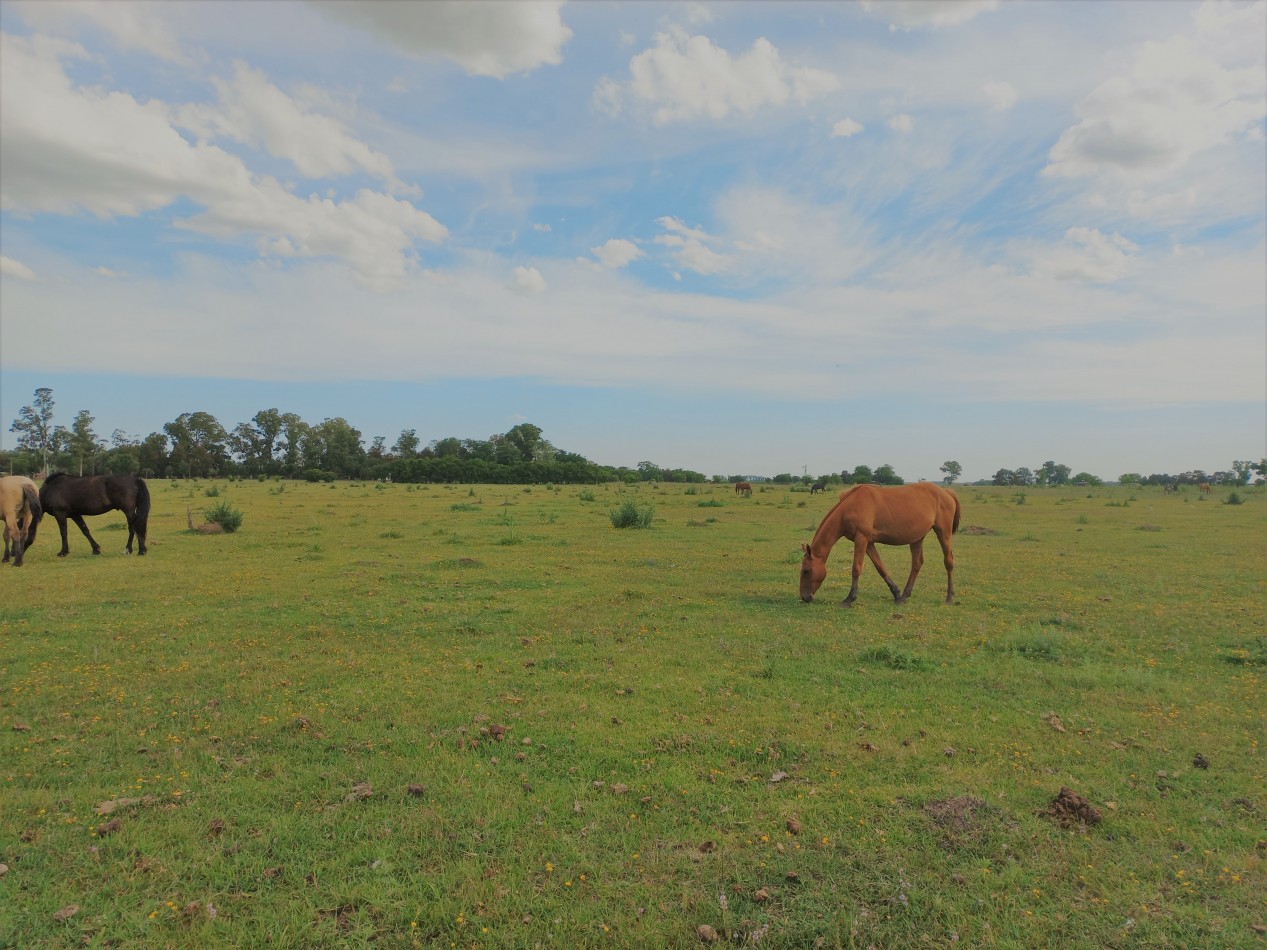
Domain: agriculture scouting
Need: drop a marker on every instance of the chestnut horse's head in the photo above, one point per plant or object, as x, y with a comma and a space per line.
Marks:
813, 571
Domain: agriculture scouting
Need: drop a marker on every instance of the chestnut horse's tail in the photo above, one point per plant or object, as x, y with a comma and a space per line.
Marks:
955, 527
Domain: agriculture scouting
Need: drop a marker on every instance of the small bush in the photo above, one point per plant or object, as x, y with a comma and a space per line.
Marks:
586, 495
1235, 499
632, 515
711, 503
212, 492
225, 515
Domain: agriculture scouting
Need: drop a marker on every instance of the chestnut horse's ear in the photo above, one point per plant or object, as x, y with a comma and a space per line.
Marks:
805, 548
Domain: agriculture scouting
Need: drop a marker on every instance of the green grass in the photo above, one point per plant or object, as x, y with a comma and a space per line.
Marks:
368, 718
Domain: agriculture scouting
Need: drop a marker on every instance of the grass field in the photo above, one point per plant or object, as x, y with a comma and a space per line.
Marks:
449, 716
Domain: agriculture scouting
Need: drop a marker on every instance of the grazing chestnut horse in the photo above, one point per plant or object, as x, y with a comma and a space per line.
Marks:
815, 489
870, 514
20, 503
743, 488
73, 496
1205, 488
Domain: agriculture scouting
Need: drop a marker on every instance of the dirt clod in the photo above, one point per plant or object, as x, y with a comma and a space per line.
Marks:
1071, 808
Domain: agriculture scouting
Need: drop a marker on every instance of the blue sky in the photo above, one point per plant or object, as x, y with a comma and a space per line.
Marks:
731, 237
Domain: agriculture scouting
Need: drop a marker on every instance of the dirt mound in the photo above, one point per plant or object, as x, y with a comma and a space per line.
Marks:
960, 812
976, 529
1071, 808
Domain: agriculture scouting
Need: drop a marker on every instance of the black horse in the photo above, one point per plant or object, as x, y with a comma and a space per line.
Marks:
816, 488
69, 496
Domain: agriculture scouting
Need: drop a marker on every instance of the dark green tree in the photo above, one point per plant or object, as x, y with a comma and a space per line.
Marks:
82, 441
199, 444
34, 426
953, 470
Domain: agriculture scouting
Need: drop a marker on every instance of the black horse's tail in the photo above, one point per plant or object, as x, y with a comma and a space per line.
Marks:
142, 501
37, 512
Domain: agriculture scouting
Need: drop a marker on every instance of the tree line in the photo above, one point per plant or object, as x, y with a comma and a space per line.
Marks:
281, 444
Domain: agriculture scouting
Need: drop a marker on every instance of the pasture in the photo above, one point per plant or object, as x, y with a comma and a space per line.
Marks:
454, 716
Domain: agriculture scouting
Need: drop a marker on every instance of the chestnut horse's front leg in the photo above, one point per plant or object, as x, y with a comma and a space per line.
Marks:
859, 553
874, 553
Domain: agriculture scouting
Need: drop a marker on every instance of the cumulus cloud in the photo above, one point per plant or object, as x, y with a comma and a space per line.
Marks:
1178, 98
901, 123
690, 247
491, 38
687, 77
845, 128
527, 280
66, 148
13, 268
919, 14
617, 253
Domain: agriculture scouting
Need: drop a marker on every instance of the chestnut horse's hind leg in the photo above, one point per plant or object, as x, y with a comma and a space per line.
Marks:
96, 548
948, 558
917, 561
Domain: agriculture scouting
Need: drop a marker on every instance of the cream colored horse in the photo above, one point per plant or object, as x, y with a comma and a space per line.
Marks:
20, 505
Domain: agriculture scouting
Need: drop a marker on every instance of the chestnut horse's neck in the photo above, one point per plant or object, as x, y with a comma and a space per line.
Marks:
830, 529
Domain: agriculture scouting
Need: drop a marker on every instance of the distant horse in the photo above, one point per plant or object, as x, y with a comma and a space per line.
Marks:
1205, 488
20, 502
69, 496
1169, 489
743, 488
870, 514
815, 489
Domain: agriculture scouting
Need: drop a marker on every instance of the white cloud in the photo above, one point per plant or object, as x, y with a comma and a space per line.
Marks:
1086, 254
528, 280
917, 14
617, 253
65, 148
491, 38
13, 268
690, 248
1177, 99
687, 77
901, 123
543, 228
845, 128
133, 25
253, 111
107, 272
1002, 95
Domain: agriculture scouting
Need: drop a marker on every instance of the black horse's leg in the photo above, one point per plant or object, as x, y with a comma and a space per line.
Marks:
131, 531
917, 561
874, 553
61, 526
78, 519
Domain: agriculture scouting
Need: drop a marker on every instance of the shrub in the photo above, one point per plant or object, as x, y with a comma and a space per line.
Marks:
632, 515
1235, 499
212, 492
586, 495
225, 515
